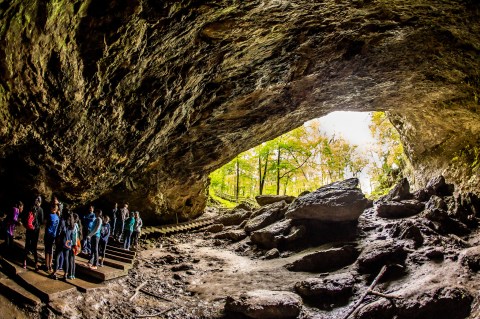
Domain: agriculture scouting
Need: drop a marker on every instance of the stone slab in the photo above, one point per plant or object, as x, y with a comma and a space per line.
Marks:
44, 287
12, 290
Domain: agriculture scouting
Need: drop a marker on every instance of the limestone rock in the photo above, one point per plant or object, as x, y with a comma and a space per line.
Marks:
334, 289
375, 256
231, 234
326, 260
263, 200
265, 304
235, 217
269, 237
272, 254
400, 192
215, 228
336, 202
438, 186
400, 209
471, 258
269, 215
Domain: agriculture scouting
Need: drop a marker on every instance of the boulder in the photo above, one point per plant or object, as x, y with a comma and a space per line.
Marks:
272, 253
234, 217
266, 216
398, 209
270, 236
438, 186
471, 258
335, 289
265, 304
375, 256
443, 222
438, 303
232, 234
336, 202
325, 260
263, 200
400, 192
245, 206
215, 228
413, 233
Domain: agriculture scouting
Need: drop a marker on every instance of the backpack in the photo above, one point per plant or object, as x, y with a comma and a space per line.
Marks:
29, 225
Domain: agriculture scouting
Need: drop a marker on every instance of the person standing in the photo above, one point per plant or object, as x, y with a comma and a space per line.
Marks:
94, 238
88, 223
51, 226
11, 222
113, 218
76, 235
64, 244
104, 235
120, 223
32, 220
137, 230
129, 223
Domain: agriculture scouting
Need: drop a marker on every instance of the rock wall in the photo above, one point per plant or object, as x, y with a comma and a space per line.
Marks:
140, 100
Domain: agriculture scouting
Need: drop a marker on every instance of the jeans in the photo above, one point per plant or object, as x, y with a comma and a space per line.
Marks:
94, 258
128, 237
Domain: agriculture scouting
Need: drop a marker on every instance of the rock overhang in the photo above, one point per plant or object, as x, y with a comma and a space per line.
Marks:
139, 102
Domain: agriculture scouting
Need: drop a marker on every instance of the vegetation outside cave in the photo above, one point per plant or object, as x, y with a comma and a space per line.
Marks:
309, 157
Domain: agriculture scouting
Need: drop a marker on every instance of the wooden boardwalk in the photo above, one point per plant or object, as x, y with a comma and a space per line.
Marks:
33, 287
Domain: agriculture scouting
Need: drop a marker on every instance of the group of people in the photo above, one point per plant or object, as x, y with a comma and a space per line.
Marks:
66, 234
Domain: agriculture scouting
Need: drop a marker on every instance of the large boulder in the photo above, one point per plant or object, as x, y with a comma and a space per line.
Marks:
263, 200
378, 254
235, 217
325, 260
266, 216
400, 209
231, 234
438, 186
471, 258
438, 303
265, 304
335, 289
336, 202
400, 192
278, 233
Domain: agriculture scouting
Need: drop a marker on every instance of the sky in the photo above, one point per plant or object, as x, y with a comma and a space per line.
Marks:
353, 126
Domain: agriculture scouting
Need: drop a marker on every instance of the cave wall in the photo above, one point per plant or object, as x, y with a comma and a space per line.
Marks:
139, 101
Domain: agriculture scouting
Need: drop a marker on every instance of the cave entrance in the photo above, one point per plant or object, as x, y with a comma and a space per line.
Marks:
321, 151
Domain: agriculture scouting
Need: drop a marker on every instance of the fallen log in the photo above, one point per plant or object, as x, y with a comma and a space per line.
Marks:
369, 290
155, 314
137, 290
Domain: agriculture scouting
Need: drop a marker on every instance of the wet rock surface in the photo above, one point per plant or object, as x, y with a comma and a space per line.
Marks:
401, 209
327, 260
264, 304
325, 292
266, 216
336, 202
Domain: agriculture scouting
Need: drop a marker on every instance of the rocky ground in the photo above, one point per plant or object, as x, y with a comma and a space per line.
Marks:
300, 260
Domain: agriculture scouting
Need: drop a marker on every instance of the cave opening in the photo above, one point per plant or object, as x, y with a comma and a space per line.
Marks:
324, 150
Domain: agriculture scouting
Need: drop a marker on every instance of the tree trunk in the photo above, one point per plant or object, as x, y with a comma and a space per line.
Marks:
238, 181
278, 171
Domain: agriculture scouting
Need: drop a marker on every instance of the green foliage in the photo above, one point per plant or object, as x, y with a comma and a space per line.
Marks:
392, 162
469, 155
303, 159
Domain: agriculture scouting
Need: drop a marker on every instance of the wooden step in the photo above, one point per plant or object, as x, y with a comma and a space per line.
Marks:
121, 251
102, 273
111, 263
17, 293
117, 257
38, 282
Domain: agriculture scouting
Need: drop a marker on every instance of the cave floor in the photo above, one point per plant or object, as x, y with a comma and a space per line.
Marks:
190, 275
